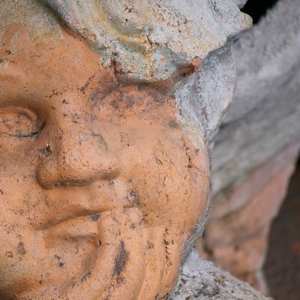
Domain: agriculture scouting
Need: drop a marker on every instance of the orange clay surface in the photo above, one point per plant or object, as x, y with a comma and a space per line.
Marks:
100, 187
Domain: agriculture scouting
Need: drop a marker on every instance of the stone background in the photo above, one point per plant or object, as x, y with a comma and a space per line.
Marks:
254, 156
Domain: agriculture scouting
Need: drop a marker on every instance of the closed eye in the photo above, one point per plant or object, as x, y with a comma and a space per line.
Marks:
19, 122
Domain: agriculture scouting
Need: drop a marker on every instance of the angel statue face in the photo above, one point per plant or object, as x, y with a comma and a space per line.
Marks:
101, 181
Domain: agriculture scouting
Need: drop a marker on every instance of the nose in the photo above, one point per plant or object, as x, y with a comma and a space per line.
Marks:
77, 158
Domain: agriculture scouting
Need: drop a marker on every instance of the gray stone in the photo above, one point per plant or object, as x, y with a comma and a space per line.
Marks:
200, 279
265, 114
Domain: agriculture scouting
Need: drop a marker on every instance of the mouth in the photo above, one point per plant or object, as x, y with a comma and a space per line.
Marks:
84, 226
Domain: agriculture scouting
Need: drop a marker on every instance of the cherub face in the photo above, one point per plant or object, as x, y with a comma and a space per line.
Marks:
100, 187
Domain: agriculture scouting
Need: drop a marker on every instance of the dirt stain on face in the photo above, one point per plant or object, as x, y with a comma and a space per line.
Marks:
121, 259
133, 198
21, 249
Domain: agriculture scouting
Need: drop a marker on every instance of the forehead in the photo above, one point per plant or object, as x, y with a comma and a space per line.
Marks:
48, 68
38, 20
67, 66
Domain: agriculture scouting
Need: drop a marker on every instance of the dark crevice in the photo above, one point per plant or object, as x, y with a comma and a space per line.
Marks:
258, 8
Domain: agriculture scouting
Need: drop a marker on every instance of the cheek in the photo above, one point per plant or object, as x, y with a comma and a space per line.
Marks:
18, 185
171, 180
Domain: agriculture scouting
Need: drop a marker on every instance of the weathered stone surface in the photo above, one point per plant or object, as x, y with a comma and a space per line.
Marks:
265, 114
200, 279
257, 145
160, 36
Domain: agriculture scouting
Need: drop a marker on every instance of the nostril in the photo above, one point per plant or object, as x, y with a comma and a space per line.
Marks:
46, 151
46, 174
110, 172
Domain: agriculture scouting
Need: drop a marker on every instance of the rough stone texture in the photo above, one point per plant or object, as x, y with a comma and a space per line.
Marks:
256, 147
265, 114
200, 279
151, 39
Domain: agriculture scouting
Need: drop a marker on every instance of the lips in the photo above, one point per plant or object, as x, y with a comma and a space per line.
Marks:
79, 227
76, 216
77, 213
74, 222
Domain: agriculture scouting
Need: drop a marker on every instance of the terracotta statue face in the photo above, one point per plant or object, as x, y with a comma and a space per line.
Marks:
100, 187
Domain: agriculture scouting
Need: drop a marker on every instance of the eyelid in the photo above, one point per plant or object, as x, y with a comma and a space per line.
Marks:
19, 122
